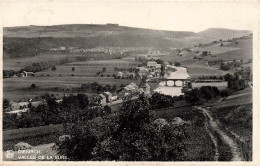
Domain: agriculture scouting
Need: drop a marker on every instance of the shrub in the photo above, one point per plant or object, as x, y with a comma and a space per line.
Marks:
33, 86
53, 68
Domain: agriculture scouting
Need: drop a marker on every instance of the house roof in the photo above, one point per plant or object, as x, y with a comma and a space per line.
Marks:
151, 63
131, 86
103, 96
107, 93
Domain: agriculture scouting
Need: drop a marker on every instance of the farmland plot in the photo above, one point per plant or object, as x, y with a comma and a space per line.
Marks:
215, 49
64, 78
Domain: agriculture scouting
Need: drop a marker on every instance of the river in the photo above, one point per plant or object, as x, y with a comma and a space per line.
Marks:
180, 73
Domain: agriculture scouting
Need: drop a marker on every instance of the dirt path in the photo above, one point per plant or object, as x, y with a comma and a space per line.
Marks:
213, 138
236, 154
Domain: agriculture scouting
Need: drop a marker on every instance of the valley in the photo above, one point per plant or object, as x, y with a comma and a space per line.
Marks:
110, 82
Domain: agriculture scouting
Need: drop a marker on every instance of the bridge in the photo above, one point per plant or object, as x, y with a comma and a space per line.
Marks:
174, 81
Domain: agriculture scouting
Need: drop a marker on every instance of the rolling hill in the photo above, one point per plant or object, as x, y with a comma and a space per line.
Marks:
220, 33
32, 40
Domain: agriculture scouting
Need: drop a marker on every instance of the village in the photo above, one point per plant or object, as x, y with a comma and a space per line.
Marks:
150, 72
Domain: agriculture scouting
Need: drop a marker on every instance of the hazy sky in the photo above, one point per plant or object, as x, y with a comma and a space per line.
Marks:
181, 16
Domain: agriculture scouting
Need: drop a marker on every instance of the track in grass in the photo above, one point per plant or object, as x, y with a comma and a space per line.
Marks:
236, 153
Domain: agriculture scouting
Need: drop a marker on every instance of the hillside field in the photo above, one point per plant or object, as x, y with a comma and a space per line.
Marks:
63, 77
33, 136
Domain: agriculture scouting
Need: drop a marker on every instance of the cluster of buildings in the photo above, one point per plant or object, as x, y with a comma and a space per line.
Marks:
122, 75
21, 107
151, 70
107, 50
131, 90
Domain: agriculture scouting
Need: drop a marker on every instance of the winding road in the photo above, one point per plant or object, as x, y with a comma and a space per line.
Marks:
234, 148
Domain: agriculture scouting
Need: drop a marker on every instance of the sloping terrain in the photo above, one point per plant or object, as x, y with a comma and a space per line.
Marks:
221, 33
33, 40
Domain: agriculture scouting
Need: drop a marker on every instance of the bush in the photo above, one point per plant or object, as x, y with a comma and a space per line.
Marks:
225, 93
177, 63
159, 101
53, 68
129, 135
33, 86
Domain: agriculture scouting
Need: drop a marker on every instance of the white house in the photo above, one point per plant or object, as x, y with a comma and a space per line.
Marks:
103, 99
108, 96
26, 74
158, 66
151, 64
120, 74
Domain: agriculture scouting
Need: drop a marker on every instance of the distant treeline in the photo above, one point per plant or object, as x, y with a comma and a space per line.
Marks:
97, 88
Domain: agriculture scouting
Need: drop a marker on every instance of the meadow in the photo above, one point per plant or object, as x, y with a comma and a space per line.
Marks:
216, 48
88, 68
237, 121
243, 50
235, 115
63, 79
34, 135
18, 63
219, 85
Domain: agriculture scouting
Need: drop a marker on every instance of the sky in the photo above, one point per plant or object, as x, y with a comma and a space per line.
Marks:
174, 16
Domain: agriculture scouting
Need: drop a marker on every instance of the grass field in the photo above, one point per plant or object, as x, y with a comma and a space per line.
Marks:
215, 49
237, 121
63, 77
244, 52
204, 71
198, 144
16, 88
200, 68
88, 68
174, 57
219, 85
235, 115
233, 101
34, 136
18, 63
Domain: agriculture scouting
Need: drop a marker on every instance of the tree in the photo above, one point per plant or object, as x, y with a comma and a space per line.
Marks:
98, 73
193, 96
143, 81
104, 69
73, 68
215, 91
6, 104
204, 53
129, 135
225, 93
33, 86
53, 68
207, 92
134, 114
113, 88
177, 63
242, 84
228, 77
158, 101
107, 109
81, 144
